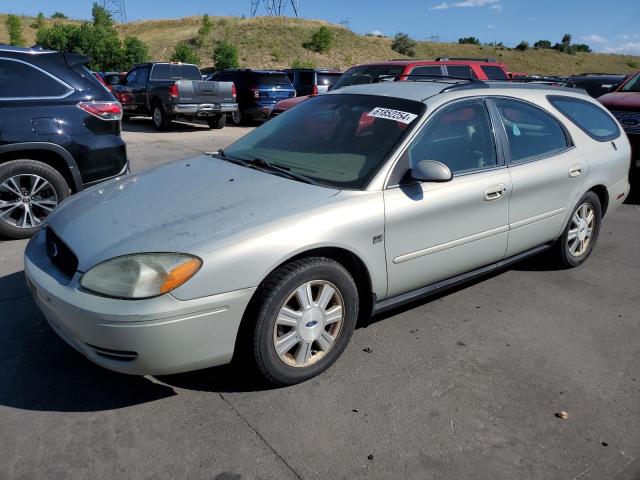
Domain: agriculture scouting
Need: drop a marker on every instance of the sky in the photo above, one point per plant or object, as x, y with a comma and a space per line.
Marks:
607, 27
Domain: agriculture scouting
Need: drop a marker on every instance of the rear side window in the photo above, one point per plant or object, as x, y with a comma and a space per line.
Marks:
271, 79
494, 73
462, 71
20, 80
532, 133
590, 118
435, 70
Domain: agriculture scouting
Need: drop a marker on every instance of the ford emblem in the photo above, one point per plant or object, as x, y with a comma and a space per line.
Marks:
311, 324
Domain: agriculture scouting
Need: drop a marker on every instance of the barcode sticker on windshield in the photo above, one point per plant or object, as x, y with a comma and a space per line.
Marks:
389, 114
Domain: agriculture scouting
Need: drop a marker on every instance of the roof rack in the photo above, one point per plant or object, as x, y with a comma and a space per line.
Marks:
466, 59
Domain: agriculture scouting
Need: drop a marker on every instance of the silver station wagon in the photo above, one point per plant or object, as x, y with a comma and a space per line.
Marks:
347, 205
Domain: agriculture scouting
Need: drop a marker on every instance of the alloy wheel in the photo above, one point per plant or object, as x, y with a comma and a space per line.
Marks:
26, 200
581, 230
308, 323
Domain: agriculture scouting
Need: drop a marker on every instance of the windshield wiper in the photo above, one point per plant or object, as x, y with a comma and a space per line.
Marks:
262, 164
224, 156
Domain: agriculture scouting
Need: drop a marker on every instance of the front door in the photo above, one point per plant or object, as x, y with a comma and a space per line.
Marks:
435, 231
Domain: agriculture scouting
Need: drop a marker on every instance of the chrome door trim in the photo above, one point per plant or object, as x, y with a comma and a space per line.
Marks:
453, 243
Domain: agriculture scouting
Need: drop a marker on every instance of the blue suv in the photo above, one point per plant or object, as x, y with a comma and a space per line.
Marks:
59, 133
258, 91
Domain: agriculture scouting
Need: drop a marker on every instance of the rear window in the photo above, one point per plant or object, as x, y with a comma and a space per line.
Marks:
590, 118
306, 78
270, 79
367, 74
494, 73
328, 78
172, 71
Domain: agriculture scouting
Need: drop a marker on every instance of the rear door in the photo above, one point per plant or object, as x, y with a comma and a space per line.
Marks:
436, 231
547, 172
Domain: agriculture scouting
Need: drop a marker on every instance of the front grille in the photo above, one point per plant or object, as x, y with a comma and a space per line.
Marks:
630, 121
60, 255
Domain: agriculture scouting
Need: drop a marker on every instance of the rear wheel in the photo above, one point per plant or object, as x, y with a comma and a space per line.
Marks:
161, 120
306, 313
29, 191
237, 118
581, 234
218, 121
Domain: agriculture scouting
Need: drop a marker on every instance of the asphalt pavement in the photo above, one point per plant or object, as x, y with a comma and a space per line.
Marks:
465, 385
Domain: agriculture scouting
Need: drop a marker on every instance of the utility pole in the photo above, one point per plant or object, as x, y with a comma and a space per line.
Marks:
275, 8
116, 8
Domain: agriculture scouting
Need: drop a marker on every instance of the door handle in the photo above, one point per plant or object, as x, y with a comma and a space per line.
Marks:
494, 192
575, 171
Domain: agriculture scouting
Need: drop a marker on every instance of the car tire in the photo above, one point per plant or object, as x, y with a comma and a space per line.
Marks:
161, 121
44, 187
237, 118
285, 354
217, 122
581, 233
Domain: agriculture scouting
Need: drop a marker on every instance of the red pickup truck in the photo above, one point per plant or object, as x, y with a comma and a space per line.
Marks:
478, 68
624, 104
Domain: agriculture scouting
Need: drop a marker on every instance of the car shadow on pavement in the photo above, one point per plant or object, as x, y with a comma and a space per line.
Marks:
38, 371
144, 125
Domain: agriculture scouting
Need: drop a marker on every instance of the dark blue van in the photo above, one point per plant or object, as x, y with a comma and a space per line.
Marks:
257, 91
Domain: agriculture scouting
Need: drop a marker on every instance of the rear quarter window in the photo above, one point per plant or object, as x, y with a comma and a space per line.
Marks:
591, 119
20, 80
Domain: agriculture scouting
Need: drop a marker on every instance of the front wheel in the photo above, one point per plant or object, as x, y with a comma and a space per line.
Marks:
581, 233
306, 313
217, 122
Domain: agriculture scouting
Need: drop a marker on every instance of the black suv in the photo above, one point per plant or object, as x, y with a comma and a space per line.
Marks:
257, 91
59, 133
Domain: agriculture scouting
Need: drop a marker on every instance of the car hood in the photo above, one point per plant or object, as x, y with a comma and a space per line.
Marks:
171, 207
621, 100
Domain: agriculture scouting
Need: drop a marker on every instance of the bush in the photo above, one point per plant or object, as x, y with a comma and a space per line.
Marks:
14, 27
39, 23
581, 47
205, 30
185, 53
297, 63
225, 55
134, 51
59, 15
522, 46
403, 44
542, 44
469, 41
320, 41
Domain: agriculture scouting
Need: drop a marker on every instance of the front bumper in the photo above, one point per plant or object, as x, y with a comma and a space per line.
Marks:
161, 335
204, 109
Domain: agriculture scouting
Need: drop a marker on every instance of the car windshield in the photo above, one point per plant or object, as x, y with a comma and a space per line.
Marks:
366, 74
633, 85
336, 140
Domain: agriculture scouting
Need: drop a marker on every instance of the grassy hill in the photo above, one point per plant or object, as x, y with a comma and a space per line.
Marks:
276, 42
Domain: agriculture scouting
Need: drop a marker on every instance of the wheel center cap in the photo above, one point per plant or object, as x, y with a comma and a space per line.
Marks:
311, 324
582, 230
26, 200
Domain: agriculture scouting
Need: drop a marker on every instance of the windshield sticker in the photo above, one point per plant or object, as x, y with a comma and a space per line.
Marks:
389, 114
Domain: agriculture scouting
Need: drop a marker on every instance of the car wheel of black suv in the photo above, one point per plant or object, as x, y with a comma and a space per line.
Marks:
217, 121
161, 121
29, 191
581, 233
306, 312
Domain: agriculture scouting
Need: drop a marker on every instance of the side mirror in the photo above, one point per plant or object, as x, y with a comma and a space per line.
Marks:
431, 171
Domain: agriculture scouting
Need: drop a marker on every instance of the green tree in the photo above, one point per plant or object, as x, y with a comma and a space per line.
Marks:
225, 55
39, 23
205, 30
522, 46
321, 40
134, 51
185, 53
14, 27
542, 44
59, 15
101, 17
403, 44
469, 41
565, 44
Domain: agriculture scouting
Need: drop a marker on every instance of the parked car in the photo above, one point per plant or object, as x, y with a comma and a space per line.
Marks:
309, 81
473, 68
59, 133
170, 90
596, 84
258, 91
353, 202
624, 104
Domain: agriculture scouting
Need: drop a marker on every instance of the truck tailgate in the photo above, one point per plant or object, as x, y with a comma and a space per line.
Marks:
200, 91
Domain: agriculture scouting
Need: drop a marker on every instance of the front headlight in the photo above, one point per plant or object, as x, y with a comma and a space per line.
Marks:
141, 275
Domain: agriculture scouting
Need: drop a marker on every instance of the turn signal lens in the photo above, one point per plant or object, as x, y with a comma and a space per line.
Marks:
180, 274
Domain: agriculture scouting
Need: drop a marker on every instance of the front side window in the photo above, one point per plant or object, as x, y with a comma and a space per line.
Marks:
337, 140
460, 136
132, 77
590, 118
494, 73
20, 80
532, 133
632, 85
